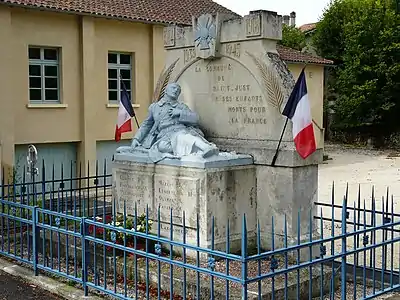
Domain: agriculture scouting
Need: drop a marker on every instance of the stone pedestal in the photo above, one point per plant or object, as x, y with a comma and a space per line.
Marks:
206, 189
287, 189
291, 193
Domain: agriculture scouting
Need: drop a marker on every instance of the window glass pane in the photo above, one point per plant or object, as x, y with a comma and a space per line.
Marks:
35, 82
127, 84
112, 58
51, 95
112, 84
35, 95
112, 73
112, 95
51, 83
34, 70
34, 53
50, 71
125, 59
126, 74
50, 54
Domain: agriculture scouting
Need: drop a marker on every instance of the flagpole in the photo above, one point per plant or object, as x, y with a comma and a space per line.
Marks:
279, 144
284, 128
130, 100
137, 123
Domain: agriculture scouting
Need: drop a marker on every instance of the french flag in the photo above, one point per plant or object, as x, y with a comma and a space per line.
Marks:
298, 110
125, 114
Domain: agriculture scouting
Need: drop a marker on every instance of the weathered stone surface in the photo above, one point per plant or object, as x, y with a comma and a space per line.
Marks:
221, 194
286, 193
133, 188
239, 94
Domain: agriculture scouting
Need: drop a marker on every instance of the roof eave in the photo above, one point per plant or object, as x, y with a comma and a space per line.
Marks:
309, 63
307, 32
84, 14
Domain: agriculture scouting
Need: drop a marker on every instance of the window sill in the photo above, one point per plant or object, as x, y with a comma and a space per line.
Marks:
109, 105
44, 105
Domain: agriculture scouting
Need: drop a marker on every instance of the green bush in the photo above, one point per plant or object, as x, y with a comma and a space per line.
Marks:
292, 37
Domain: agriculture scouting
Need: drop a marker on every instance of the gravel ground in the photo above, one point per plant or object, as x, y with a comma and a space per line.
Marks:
364, 169
355, 167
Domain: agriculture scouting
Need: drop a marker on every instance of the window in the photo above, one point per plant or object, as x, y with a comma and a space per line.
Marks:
119, 74
44, 73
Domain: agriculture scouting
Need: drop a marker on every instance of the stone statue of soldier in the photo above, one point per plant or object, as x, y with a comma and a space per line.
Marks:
170, 130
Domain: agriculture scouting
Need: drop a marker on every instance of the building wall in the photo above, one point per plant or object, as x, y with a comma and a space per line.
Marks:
315, 88
84, 44
7, 80
159, 53
101, 36
46, 123
84, 120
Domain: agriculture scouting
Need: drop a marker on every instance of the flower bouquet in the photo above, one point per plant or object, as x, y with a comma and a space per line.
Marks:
127, 239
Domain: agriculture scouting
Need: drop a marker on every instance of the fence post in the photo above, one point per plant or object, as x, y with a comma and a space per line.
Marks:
244, 258
35, 239
344, 248
84, 262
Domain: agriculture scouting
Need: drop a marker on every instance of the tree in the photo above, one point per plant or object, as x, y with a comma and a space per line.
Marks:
329, 34
292, 37
363, 38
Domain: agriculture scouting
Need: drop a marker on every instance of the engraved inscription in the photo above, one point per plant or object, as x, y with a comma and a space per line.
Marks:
218, 67
176, 194
133, 188
231, 88
178, 232
189, 55
253, 25
169, 36
243, 101
233, 50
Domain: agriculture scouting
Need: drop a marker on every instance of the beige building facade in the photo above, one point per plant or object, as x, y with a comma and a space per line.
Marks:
61, 77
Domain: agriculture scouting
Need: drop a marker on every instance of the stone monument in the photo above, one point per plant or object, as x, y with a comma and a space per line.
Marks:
231, 85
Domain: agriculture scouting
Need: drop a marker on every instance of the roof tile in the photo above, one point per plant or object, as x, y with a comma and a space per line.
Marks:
292, 55
308, 27
158, 11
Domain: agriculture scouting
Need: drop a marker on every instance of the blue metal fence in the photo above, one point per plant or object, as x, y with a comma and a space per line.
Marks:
352, 253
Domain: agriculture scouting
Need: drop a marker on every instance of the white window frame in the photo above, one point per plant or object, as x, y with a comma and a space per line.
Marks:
42, 63
118, 66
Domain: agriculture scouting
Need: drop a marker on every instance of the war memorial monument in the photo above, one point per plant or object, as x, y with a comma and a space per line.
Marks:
207, 143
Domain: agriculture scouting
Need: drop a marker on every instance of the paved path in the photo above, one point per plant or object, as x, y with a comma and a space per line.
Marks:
359, 167
12, 288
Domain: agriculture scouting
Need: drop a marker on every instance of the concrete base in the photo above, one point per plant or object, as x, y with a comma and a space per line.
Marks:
287, 193
214, 194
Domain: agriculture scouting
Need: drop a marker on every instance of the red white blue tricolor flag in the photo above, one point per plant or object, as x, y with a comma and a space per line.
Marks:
298, 110
125, 114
